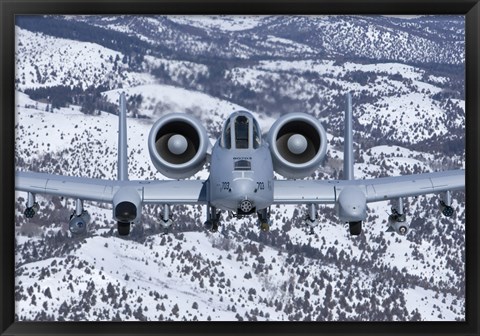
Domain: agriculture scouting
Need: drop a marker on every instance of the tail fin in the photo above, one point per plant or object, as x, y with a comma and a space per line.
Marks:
122, 140
348, 142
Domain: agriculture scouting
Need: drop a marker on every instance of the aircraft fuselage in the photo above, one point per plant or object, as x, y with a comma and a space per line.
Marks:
240, 179
241, 168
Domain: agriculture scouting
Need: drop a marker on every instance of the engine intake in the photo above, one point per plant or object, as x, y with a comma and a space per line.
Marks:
178, 145
298, 143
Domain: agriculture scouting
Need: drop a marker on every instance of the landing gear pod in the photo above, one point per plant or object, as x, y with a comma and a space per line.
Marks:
127, 208
351, 207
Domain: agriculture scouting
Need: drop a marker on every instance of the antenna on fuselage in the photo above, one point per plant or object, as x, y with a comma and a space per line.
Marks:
122, 139
348, 158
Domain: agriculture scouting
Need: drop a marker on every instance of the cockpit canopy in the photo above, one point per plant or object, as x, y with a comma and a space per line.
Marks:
241, 131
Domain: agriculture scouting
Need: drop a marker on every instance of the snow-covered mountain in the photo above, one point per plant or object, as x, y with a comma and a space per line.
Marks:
406, 76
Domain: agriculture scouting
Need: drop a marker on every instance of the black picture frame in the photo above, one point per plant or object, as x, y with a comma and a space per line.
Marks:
10, 8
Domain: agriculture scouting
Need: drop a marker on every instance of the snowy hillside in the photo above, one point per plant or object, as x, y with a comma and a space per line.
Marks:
409, 117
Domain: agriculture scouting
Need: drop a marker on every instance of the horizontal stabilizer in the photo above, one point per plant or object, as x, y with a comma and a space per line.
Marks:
122, 139
348, 157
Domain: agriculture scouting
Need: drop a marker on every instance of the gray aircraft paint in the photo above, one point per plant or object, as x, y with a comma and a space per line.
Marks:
187, 163
348, 158
122, 140
351, 204
227, 186
230, 183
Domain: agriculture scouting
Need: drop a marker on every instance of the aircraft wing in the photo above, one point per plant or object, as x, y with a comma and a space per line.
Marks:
151, 192
173, 192
379, 189
303, 191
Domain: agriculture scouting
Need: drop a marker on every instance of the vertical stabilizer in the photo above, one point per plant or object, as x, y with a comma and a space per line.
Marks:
122, 140
348, 142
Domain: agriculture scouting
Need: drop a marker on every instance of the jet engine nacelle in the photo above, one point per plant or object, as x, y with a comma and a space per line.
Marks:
78, 224
298, 143
178, 145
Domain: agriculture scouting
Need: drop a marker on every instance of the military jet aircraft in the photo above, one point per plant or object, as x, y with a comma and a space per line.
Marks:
241, 179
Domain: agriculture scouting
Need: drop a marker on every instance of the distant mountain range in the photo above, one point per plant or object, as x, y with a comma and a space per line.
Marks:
422, 40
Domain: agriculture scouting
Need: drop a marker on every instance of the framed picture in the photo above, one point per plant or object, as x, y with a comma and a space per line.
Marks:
407, 70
